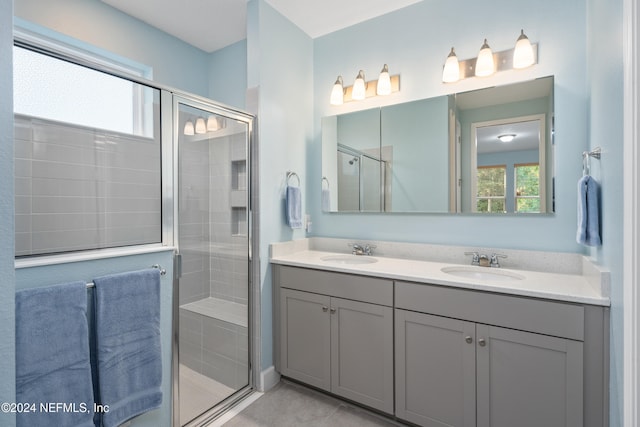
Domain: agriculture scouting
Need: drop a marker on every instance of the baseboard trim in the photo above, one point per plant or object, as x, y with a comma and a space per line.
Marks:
268, 379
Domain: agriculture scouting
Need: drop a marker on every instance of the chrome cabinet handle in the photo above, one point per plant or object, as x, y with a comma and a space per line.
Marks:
482, 342
468, 339
333, 310
325, 308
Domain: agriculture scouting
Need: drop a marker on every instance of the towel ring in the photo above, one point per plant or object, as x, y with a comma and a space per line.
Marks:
290, 174
324, 179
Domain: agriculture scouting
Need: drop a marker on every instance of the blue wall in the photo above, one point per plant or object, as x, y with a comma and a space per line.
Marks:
228, 75
606, 97
415, 41
7, 277
280, 63
87, 270
175, 63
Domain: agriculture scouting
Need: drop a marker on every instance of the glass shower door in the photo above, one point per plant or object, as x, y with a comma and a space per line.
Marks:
213, 240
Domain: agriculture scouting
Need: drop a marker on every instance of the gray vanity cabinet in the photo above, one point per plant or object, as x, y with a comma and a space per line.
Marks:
342, 345
489, 360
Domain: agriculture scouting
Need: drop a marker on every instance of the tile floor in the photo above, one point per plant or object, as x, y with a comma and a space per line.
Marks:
293, 405
198, 393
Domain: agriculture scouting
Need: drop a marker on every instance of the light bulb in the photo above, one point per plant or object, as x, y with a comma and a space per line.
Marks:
337, 93
188, 128
484, 63
201, 127
384, 82
523, 52
359, 90
212, 124
451, 72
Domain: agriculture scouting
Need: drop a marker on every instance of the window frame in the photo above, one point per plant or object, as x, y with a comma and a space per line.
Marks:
490, 198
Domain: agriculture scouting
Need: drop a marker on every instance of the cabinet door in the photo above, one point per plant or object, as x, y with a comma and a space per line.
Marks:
305, 329
362, 353
528, 380
435, 370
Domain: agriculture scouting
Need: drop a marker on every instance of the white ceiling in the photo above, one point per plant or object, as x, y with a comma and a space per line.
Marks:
527, 137
213, 24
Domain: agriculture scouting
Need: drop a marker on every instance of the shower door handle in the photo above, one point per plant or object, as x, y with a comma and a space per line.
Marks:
177, 266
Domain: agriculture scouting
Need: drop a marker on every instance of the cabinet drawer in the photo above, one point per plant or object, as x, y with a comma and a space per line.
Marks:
533, 315
360, 288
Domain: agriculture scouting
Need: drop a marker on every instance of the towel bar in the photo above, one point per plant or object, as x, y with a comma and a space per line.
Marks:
158, 266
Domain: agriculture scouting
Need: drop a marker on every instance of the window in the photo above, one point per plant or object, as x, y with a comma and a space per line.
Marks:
527, 187
491, 189
87, 158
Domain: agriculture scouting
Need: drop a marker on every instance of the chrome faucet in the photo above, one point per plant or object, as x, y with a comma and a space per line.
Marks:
359, 249
485, 260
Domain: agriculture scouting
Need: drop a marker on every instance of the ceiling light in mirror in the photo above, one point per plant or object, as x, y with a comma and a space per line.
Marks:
507, 137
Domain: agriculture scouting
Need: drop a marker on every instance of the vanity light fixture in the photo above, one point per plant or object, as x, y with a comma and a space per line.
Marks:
523, 53
214, 123
451, 71
188, 128
484, 64
384, 82
201, 127
337, 94
359, 91
487, 62
508, 137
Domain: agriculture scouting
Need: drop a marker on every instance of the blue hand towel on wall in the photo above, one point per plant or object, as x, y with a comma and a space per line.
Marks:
588, 212
326, 200
127, 316
52, 356
294, 207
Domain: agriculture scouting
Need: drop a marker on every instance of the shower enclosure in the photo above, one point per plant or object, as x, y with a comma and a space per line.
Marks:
213, 238
361, 180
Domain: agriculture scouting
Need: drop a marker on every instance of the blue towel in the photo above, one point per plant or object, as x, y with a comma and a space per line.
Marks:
52, 357
588, 212
294, 207
326, 200
127, 308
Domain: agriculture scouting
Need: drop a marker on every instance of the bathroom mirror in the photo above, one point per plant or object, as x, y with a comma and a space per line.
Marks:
443, 154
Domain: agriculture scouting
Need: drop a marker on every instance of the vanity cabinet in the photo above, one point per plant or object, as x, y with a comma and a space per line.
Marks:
467, 358
336, 333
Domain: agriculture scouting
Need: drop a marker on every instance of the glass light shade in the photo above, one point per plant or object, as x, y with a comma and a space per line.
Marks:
507, 137
484, 64
188, 128
451, 72
384, 82
523, 52
201, 127
337, 93
359, 90
212, 124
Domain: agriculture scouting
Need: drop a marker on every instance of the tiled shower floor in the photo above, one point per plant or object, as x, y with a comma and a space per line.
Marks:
198, 393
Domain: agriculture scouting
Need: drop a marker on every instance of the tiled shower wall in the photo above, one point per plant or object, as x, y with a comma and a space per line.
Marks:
81, 188
213, 240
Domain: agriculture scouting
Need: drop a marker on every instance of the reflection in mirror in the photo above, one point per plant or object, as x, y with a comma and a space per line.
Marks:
505, 147
443, 154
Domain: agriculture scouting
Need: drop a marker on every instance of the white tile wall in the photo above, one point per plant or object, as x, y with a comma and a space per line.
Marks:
80, 188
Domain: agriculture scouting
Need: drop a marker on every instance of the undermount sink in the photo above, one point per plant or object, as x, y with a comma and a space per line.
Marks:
349, 259
480, 273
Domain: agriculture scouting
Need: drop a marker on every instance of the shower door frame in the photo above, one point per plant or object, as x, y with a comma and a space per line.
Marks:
170, 120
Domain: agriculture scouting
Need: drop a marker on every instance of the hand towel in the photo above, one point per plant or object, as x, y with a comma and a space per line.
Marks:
588, 232
52, 357
127, 318
326, 200
294, 207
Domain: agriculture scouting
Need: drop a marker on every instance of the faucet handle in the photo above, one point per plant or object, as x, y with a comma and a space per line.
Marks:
494, 259
475, 260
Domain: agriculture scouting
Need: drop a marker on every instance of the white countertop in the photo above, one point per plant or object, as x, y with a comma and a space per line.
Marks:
578, 288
